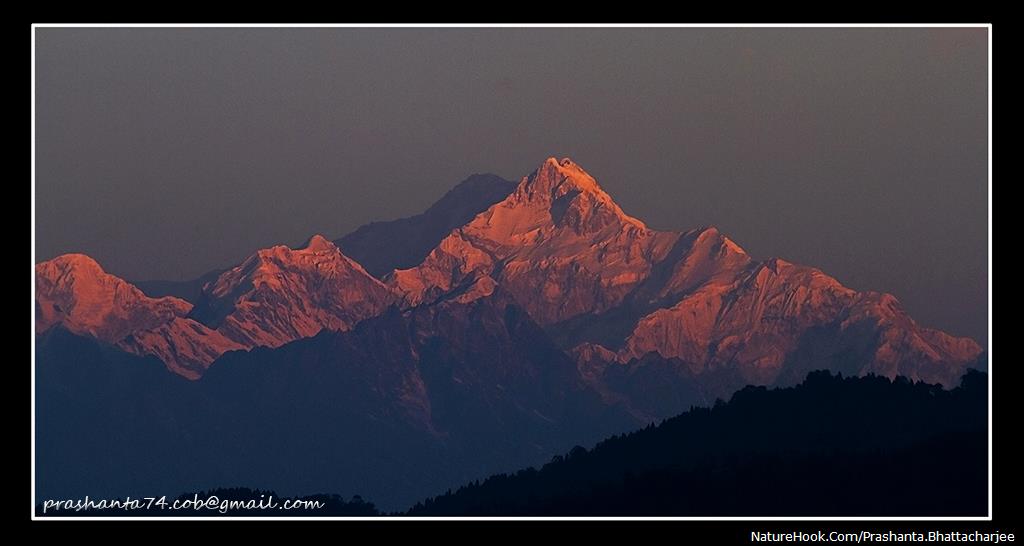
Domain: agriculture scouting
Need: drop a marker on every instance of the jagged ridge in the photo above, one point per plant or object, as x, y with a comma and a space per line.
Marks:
596, 278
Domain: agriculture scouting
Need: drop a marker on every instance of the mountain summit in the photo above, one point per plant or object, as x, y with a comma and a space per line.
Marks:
280, 294
275, 296
565, 186
75, 292
603, 283
628, 302
558, 241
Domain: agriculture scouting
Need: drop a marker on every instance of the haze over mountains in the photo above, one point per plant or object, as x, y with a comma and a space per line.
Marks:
506, 322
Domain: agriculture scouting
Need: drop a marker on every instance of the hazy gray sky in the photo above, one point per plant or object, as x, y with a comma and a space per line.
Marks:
164, 153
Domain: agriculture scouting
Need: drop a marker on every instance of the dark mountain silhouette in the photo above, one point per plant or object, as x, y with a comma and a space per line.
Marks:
382, 246
831, 446
135, 428
399, 244
402, 405
188, 290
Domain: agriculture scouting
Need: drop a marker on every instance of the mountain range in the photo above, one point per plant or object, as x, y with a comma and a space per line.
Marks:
505, 323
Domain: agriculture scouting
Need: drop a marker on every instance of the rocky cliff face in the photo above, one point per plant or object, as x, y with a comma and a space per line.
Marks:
275, 296
185, 346
558, 244
764, 319
75, 292
280, 294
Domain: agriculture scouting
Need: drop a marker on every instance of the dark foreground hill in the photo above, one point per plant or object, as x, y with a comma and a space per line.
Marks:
831, 446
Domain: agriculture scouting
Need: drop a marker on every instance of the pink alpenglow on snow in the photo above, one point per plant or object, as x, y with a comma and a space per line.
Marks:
610, 289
